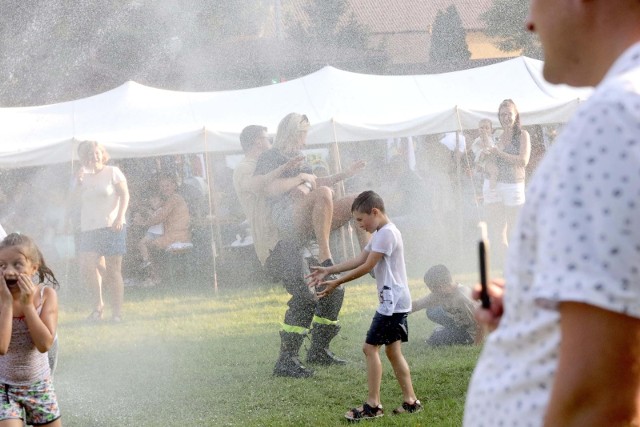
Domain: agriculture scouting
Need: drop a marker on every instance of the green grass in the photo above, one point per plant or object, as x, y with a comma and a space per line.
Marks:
191, 357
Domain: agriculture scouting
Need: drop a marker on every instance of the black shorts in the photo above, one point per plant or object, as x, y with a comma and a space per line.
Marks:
386, 330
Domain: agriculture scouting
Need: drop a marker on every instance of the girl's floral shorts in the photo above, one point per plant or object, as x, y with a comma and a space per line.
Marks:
36, 401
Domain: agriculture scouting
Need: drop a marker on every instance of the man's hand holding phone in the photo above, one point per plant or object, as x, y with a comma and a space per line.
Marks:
490, 317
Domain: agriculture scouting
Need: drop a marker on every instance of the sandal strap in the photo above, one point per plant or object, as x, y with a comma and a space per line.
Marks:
370, 410
367, 411
412, 407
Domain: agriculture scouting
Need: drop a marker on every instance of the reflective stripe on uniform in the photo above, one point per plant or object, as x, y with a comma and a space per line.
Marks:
323, 321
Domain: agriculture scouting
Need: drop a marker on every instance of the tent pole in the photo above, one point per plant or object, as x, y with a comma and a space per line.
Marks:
459, 187
211, 217
468, 164
341, 193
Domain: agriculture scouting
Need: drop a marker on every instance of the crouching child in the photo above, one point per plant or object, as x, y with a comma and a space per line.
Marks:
450, 308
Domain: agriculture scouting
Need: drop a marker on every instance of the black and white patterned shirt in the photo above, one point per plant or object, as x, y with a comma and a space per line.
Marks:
577, 239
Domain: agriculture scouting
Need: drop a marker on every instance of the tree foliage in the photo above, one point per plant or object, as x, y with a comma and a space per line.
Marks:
448, 38
505, 20
331, 34
330, 23
53, 51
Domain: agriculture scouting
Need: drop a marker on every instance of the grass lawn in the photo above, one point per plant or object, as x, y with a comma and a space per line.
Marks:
189, 357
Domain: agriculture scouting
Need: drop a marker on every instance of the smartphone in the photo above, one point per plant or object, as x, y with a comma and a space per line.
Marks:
483, 257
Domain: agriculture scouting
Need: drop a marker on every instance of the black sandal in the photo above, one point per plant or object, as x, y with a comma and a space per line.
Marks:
410, 408
366, 412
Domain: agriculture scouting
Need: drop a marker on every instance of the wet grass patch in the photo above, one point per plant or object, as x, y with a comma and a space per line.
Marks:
192, 357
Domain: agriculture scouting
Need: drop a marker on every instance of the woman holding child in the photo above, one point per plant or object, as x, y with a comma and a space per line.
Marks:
511, 155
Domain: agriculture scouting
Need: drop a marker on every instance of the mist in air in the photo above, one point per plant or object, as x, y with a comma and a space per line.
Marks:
58, 51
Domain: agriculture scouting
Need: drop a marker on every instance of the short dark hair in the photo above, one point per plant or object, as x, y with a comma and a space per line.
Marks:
366, 201
249, 135
438, 276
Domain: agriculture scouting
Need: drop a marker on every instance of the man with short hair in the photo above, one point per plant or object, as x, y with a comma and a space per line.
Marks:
250, 189
566, 348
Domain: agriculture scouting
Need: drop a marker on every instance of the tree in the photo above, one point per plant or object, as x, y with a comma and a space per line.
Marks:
55, 51
505, 20
332, 35
448, 38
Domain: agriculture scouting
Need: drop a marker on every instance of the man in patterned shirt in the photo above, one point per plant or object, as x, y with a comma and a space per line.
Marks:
566, 348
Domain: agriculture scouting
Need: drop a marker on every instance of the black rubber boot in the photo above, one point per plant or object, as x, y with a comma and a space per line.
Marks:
288, 364
319, 353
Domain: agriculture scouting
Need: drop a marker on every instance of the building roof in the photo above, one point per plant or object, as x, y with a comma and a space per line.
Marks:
402, 26
399, 16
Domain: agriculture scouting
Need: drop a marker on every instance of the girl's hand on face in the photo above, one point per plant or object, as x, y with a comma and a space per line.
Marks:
5, 293
27, 289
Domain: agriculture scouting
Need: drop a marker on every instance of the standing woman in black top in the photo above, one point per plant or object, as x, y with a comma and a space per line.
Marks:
511, 155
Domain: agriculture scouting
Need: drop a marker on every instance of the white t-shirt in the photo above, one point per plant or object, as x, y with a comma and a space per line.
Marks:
100, 201
577, 239
390, 271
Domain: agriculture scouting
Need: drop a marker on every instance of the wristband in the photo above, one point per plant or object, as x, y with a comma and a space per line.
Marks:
308, 185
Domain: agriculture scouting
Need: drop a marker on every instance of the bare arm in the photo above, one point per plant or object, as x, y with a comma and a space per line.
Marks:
42, 328
123, 193
284, 185
161, 214
335, 178
598, 378
6, 316
370, 260
257, 183
420, 304
522, 158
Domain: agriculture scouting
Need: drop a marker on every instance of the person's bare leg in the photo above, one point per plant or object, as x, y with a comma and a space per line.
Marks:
142, 248
401, 371
374, 373
496, 224
89, 265
319, 206
511, 213
102, 268
342, 215
114, 279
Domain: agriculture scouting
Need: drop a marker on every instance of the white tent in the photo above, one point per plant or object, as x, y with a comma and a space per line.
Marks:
138, 121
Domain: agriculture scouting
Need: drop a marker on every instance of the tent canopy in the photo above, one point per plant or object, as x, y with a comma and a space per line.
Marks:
134, 120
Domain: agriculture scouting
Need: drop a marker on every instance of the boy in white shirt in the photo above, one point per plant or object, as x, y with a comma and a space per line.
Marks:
384, 254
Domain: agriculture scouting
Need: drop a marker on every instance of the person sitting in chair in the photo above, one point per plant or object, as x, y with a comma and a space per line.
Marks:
174, 216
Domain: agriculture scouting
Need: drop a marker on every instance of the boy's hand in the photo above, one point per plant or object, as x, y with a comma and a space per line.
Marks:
317, 274
490, 318
324, 289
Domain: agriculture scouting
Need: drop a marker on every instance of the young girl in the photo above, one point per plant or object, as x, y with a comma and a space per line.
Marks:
28, 321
